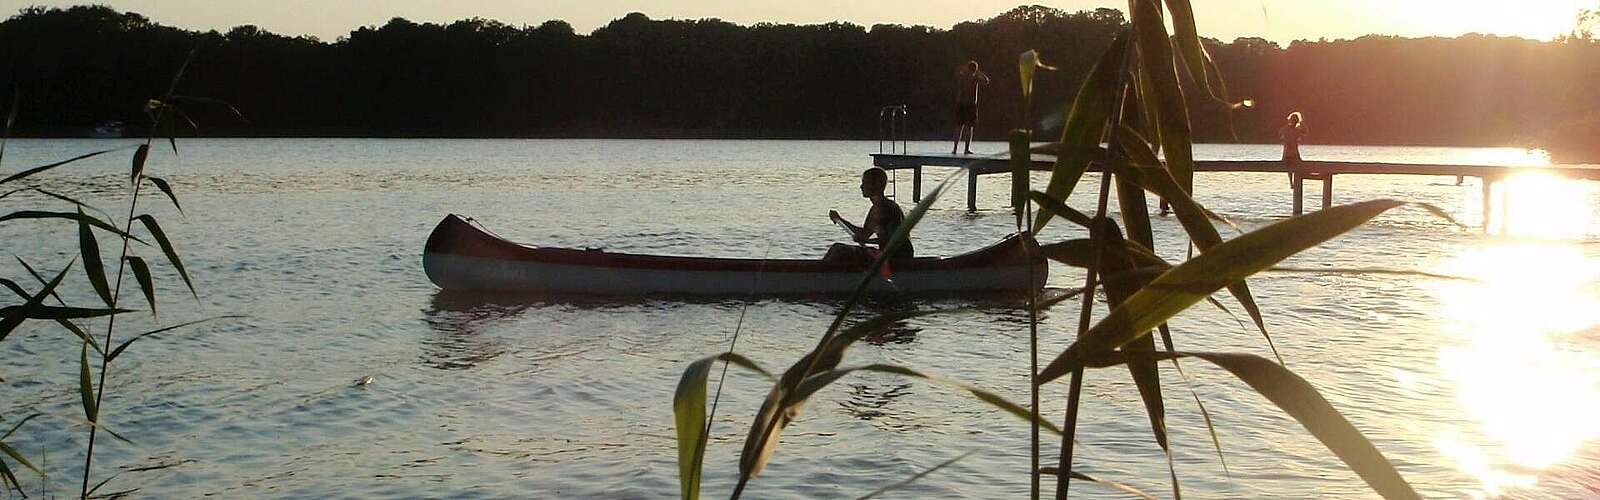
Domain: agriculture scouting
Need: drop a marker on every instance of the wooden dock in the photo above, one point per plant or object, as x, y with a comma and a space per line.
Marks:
1303, 171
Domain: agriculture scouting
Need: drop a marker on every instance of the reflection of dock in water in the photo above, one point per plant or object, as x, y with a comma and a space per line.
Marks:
1302, 171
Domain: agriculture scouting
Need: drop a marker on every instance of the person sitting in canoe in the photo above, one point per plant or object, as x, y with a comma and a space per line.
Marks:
881, 223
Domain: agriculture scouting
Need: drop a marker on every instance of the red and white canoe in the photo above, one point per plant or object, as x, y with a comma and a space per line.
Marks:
462, 255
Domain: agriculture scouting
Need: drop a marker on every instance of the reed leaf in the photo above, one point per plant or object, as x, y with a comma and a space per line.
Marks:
1201, 70
11, 118
53, 312
1300, 400
1085, 125
18, 425
69, 199
92, 265
689, 417
822, 379
769, 421
1155, 61
1222, 265
165, 189
1190, 214
10, 320
141, 272
915, 477
72, 216
91, 408
154, 228
784, 402
124, 345
139, 156
35, 170
208, 101
70, 326
1054, 471
11, 479
12, 452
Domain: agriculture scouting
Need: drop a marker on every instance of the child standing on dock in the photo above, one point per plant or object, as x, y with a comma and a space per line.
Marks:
968, 78
1294, 129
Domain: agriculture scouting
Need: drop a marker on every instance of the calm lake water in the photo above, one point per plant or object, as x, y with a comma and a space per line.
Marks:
1472, 388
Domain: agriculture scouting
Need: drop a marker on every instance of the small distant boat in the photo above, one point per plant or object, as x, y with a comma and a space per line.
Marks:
107, 130
463, 256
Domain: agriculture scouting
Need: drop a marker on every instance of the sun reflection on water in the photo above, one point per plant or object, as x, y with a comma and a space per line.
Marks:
1542, 205
1526, 381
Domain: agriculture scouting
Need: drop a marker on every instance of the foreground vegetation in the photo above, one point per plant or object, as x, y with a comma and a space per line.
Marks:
640, 77
35, 299
1134, 102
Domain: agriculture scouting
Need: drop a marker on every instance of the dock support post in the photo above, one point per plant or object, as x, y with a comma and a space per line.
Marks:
1327, 190
1299, 192
1487, 190
972, 190
916, 184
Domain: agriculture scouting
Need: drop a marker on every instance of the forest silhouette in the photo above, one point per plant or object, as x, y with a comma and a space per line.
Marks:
82, 66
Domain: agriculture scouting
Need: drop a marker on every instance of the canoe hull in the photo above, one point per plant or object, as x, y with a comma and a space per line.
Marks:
463, 256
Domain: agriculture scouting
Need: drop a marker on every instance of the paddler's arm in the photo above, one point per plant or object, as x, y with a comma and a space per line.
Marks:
857, 233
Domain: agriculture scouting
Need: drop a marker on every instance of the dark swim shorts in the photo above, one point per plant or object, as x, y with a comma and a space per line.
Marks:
966, 113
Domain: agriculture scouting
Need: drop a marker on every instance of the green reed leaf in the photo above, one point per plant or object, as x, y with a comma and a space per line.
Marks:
69, 199
154, 228
139, 156
124, 346
822, 379
1155, 61
12, 452
92, 265
11, 117
915, 477
1212, 270
91, 409
1054, 471
689, 417
165, 189
72, 216
10, 479
141, 272
70, 326
11, 319
1085, 125
35, 170
19, 424
1300, 400
56, 313
1195, 59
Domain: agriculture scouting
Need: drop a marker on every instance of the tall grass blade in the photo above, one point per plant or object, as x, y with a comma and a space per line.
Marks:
124, 345
141, 272
1190, 214
35, 170
139, 156
1187, 37
1111, 484
69, 325
69, 199
154, 228
1306, 405
11, 117
689, 417
9, 321
1224, 264
1155, 59
1216, 444
769, 420
92, 265
1085, 125
915, 477
822, 379
91, 409
19, 424
11, 479
12, 452
54, 313
72, 216
165, 189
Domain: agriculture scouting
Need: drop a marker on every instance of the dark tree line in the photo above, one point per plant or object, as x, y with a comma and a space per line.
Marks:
637, 77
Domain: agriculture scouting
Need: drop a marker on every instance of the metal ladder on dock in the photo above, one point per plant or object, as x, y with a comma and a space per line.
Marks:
892, 118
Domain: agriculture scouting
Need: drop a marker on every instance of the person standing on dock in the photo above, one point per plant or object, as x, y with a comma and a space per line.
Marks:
1294, 129
968, 79
881, 223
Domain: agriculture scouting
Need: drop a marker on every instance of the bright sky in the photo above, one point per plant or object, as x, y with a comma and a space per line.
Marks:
1280, 20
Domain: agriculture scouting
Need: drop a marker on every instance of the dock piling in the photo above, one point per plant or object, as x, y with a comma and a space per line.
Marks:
1487, 190
1299, 192
972, 190
1327, 190
916, 184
